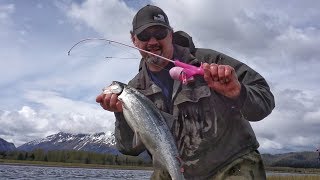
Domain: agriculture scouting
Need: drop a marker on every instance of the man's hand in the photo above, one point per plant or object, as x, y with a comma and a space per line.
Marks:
109, 102
222, 79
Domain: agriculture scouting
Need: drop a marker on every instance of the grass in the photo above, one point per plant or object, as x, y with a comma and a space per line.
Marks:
294, 170
299, 171
293, 177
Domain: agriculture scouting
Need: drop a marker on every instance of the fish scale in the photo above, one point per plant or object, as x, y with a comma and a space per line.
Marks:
150, 128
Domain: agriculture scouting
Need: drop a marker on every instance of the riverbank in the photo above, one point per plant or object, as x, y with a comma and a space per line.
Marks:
71, 165
275, 173
293, 170
287, 173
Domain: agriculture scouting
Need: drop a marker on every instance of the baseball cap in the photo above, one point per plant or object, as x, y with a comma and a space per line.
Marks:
149, 16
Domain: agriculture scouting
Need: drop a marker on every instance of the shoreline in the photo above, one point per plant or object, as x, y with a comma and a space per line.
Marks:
275, 170
293, 170
74, 165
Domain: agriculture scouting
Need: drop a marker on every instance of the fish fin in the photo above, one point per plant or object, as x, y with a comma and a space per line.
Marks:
181, 164
136, 140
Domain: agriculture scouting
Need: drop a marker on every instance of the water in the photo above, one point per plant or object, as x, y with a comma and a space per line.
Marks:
39, 172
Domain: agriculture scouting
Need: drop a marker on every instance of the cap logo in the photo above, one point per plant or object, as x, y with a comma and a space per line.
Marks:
160, 17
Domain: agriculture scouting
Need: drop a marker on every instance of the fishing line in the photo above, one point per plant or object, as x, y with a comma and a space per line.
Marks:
181, 71
87, 49
119, 43
101, 48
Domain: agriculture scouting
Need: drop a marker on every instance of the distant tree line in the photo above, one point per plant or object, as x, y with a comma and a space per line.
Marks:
71, 156
297, 164
294, 160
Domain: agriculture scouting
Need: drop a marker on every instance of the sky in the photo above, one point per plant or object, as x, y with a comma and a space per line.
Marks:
44, 91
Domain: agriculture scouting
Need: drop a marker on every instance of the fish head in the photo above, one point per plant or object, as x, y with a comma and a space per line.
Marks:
115, 88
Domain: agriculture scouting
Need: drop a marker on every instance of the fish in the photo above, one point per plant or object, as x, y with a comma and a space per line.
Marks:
150, 128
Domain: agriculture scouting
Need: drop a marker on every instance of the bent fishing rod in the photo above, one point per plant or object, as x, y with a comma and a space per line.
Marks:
182, 71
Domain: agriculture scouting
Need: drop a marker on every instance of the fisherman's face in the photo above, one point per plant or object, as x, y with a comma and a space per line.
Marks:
155, 39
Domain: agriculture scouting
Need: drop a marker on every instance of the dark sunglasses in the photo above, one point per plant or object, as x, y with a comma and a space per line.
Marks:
159, 34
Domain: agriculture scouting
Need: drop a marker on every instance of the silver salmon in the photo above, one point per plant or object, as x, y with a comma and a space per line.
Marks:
150, 128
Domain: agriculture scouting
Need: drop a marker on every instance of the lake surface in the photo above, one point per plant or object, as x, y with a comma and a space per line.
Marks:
289, 174
40, 172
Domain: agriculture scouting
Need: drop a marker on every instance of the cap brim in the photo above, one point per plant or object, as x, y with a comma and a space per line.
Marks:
141, 28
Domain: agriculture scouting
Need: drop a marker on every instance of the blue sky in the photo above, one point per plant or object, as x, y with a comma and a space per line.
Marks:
44, 91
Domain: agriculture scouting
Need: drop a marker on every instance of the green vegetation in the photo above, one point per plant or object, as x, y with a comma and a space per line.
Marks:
294, 170
68, 158
293, 178
293, 159
304, 173
71, 158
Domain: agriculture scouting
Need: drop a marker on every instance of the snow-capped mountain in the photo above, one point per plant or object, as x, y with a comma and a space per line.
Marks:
98, 142
6, 146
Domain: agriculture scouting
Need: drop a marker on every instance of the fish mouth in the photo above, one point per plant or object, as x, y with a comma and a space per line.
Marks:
115, 88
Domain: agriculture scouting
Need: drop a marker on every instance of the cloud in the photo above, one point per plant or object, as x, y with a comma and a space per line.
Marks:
292, 126
56, 114
110, 19
313, 117
39, 83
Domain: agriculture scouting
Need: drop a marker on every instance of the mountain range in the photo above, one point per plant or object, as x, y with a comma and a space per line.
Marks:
293, 159
98, 142
6, 146
105, 143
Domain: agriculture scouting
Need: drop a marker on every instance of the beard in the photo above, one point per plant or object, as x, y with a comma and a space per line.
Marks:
153, 59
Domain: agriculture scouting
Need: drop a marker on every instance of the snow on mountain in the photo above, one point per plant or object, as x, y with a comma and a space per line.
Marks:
98, 142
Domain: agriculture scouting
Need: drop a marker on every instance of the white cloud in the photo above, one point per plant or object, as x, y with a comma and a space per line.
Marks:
110, 18
292, 126
54, 92
267, 145
313, 117
56, 114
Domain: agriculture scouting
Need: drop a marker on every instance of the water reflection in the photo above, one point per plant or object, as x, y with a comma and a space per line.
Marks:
37, 172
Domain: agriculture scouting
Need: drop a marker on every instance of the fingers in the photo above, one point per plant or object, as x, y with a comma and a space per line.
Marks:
99, 98
225, 73
228, 74
207, 73
217, 73
119, 106
222, 79
109, 102
112, 102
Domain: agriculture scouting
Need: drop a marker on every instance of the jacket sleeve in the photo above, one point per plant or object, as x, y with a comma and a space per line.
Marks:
256, 101
124, 137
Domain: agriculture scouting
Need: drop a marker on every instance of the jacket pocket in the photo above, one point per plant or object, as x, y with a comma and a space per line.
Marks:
192, 95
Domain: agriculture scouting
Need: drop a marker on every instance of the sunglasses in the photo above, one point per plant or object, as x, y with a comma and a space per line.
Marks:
159, 34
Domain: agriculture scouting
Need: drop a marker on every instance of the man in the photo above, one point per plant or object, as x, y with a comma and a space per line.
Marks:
209, 117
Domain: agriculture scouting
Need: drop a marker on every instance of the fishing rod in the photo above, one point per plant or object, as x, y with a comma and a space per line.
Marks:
182, 71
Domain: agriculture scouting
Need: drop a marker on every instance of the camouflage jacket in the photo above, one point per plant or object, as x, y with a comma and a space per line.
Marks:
210, 129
